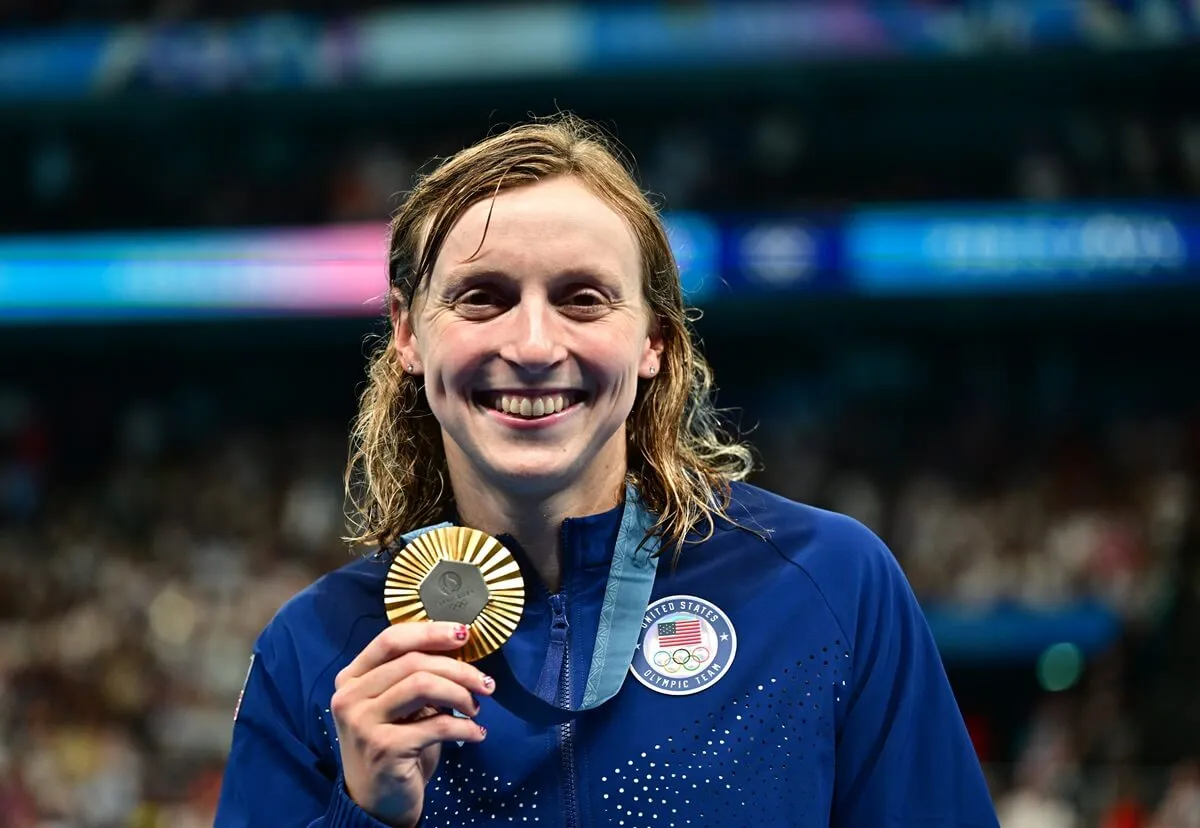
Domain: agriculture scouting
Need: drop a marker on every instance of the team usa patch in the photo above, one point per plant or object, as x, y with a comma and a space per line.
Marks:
687, 645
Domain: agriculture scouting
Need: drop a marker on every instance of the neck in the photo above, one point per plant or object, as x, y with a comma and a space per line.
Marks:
535, 520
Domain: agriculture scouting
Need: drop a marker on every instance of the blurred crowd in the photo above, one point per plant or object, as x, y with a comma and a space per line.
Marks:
1103, 520
786, 160
128, 606
776, 158
1052, 788
139, 561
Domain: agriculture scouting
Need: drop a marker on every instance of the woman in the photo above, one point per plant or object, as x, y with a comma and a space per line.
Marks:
540, 384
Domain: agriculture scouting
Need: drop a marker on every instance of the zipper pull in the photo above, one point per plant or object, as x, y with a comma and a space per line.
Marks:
559, 626
548, 681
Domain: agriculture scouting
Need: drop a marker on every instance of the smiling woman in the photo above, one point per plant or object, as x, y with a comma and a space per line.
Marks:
540, 388
548, 306
550, 202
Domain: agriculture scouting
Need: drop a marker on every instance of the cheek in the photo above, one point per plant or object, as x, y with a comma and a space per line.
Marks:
617, 357
453, 355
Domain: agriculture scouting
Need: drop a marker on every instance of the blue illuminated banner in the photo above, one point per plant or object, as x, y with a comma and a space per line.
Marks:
974, 249
782, 254
1020, 634
339, 270
696, 243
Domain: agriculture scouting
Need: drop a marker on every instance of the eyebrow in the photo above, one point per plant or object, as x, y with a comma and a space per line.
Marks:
467, 274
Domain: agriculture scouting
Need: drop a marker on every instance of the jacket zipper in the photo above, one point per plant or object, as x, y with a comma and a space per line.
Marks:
566, 730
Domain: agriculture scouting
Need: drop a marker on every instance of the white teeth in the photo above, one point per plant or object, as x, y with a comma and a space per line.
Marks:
531, 406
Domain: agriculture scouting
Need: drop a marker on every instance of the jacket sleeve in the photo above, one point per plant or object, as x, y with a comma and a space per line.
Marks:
904, 757
273, 777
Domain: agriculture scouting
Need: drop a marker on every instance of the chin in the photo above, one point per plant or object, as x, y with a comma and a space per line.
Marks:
530, 476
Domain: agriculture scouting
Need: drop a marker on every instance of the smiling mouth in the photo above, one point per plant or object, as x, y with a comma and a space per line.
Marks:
529, 406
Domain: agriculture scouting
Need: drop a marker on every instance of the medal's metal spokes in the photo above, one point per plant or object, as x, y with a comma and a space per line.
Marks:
458, 574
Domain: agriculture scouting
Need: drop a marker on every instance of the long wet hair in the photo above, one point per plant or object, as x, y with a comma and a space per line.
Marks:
680, 455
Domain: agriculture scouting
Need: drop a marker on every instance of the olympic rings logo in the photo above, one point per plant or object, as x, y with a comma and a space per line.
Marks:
681, 659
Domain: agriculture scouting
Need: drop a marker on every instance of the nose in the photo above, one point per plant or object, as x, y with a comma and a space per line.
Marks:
534, 341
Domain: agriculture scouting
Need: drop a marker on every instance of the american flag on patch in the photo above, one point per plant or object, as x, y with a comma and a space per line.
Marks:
679, 633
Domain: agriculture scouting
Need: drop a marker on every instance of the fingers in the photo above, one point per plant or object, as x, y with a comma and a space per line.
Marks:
399, 639
388, 675
442, 728
420, 691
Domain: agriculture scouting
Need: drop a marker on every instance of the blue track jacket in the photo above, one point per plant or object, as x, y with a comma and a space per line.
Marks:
785, 677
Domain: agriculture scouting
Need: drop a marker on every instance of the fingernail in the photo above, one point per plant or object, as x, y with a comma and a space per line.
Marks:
482, 731
489, 682
460, 632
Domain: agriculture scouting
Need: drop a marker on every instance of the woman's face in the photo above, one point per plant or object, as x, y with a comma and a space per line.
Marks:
531, 345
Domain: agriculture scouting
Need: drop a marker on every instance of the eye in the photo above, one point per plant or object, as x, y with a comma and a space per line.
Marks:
585, 301
478, 302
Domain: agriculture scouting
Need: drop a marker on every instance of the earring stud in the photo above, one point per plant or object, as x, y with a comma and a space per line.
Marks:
409, 368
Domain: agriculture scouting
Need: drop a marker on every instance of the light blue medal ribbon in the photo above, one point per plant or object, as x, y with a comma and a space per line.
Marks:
626, 596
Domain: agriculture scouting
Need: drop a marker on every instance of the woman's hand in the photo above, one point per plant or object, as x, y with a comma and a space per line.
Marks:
388, 705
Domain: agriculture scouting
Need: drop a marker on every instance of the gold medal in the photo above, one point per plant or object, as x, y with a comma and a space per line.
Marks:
461, 575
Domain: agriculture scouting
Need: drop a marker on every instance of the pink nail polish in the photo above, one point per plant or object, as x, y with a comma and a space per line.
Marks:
482, 731
461, 632
489, 682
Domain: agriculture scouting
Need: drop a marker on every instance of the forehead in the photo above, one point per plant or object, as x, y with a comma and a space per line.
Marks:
539, 229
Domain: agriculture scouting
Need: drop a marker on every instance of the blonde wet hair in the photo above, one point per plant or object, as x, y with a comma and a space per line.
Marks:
680, 455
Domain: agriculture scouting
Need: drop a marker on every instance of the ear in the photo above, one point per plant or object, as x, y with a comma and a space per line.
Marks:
652, 353
404, 338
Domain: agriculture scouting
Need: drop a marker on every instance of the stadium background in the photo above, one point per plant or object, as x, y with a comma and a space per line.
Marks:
947, 254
